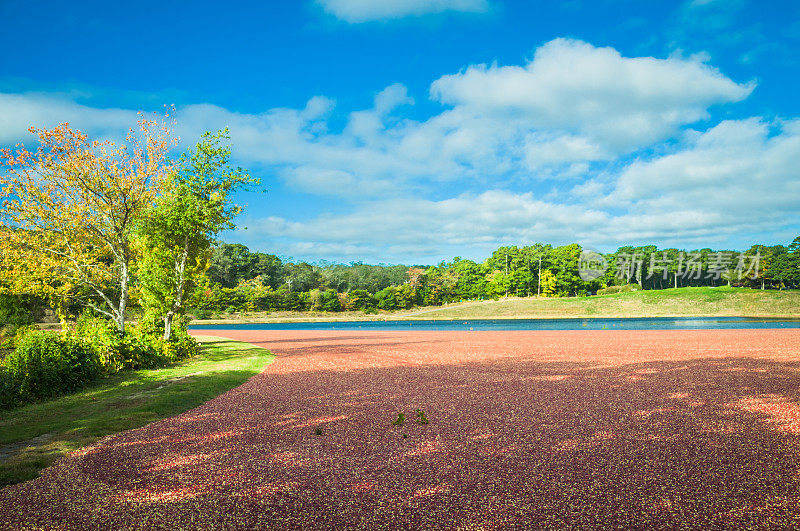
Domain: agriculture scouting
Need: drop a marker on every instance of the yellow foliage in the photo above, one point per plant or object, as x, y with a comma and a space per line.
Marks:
548, 283
67, 210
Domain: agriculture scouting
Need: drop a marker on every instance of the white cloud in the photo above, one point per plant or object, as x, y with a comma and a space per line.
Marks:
18, 112
740, 170
401, 228
375, 147
572, 86
541, 150
737, 180
356, 11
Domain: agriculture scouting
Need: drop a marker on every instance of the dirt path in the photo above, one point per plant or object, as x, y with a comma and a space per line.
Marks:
539, 429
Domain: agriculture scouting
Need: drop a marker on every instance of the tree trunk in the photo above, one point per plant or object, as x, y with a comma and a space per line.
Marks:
168, 325
539, 279
180, 281
123, 295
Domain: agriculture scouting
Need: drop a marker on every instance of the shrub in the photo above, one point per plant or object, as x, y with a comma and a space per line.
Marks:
200, 313
386, 299
360, 299
145, 346
15, 310
100, 335
15, 314
181, 346
330, 301
141, 347
618, 289
46, 364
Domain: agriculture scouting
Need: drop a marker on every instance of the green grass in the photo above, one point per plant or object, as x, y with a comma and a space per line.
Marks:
722, 301
33, 436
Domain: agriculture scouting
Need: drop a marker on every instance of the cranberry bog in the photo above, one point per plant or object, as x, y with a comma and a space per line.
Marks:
458, 429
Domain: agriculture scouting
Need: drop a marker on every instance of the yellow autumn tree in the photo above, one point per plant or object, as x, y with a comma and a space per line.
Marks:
548, 283
68, 211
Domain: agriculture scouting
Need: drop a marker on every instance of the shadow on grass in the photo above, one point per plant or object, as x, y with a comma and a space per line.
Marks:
33, 436
705, 443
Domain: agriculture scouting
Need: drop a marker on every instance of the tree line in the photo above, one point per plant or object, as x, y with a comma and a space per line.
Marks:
238, 280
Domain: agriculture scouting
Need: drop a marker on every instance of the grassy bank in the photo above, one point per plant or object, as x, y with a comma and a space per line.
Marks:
33, 436
722, 301
687, 302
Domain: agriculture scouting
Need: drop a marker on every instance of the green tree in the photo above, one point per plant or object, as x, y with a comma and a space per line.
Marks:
303, 276
360, 299
330, 301
194, 206
385, 299
231, 263
565, 268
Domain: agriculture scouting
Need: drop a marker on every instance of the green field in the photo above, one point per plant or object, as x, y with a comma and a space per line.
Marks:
722, 301
33, 436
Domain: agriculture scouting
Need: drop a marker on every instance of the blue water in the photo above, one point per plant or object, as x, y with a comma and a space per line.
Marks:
649, 323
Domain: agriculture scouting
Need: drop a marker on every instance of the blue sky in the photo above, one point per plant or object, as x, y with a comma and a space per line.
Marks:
418, 130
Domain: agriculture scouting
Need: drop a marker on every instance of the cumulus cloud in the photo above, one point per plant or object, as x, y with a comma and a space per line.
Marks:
422, 228
572, 86
18, 112
356, 11
735, 180
743, 172
571, 106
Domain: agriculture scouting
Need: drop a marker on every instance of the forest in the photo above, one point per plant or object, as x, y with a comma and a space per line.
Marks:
238, 280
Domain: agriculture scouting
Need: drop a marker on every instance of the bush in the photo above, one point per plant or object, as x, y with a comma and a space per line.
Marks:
141, 347
46, 364
15, 310
180, 346
386, 299
360, 299
618, 289
100, 335
329, 301
8, 391
200, 313
145, 346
